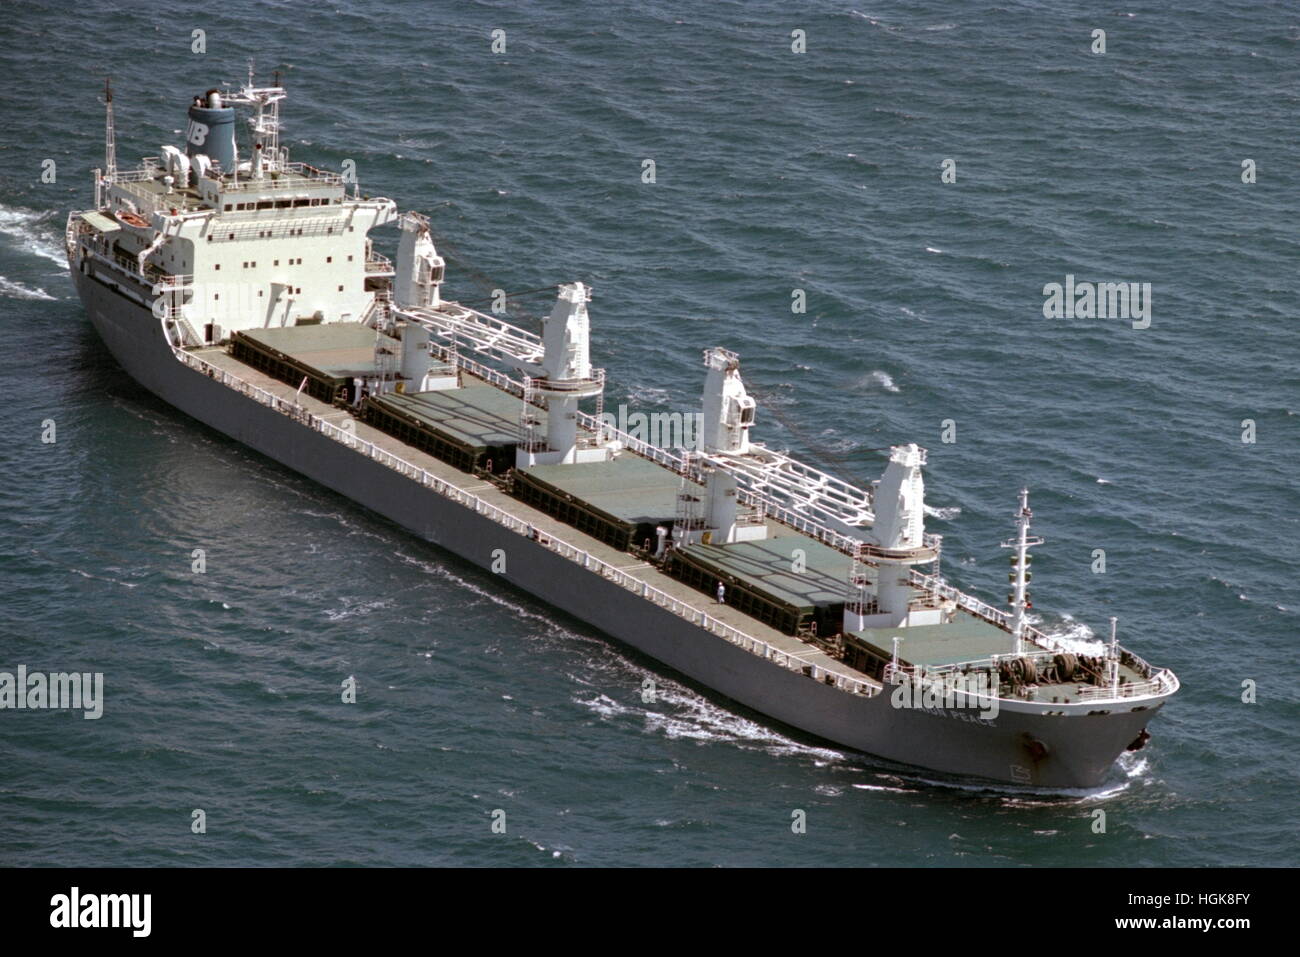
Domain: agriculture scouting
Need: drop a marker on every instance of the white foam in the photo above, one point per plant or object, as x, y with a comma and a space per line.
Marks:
102, 578
358, 608
881, 378
679, 714
943, 514
24, 225
641, 396
12, 289
1076, 637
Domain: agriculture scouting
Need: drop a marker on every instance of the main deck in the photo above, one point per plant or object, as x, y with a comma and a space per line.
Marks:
786, 591
491, 492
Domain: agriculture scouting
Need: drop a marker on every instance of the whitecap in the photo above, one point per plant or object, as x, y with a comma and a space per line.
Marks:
12, 289
884, 380
1075, 636
25, 226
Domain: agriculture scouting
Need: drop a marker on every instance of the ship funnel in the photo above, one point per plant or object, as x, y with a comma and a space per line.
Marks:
211, 131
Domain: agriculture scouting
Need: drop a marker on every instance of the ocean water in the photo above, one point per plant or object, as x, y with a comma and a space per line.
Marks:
775, 171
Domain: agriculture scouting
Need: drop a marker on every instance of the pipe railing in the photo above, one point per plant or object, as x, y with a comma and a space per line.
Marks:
1157, 683
945, 677
348, 437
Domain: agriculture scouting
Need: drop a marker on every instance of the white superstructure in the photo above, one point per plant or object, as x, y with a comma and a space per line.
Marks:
241, 243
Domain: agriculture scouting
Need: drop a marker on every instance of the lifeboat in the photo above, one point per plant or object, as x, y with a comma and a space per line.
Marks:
133, 220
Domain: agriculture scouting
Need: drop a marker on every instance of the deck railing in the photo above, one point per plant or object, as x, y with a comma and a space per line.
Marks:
80, 233
1155, 681
348, 437
271, 180
379, 264
949, 676
1158, 682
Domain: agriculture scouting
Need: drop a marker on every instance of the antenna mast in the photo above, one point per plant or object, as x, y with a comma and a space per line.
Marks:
110, 140
1020, 575
265, 125
1112, 660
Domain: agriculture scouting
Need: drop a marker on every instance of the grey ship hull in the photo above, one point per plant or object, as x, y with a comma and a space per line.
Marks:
1080, 750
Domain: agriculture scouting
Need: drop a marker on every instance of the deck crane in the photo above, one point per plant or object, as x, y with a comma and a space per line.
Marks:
884, 526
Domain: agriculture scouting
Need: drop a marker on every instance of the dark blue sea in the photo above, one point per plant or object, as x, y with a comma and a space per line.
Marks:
775, 171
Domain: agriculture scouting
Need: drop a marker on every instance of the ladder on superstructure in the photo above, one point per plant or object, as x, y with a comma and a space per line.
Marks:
689, 515
385, 362
856, 598
530, 438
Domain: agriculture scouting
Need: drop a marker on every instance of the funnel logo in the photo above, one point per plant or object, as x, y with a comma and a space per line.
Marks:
197, 133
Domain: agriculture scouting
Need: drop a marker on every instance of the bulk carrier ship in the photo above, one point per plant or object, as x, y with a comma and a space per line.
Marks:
244, 290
